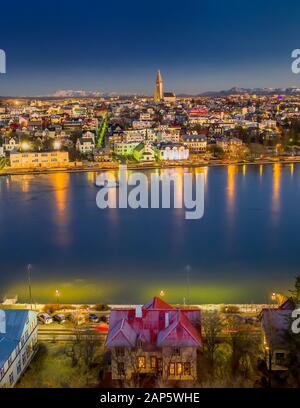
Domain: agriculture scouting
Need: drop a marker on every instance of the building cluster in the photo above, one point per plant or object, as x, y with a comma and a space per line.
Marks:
143, 129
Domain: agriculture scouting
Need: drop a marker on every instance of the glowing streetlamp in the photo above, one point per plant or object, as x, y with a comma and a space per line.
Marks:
57, 145
25, 146
162, 293
57, 294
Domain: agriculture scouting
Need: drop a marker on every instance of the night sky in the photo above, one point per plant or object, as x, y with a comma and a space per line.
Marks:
118, 46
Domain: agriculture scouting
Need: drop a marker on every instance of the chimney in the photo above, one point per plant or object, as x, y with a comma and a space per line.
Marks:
138, 311
167, 319
2, 322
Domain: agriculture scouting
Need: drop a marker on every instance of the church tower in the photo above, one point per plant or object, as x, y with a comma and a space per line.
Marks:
158, 91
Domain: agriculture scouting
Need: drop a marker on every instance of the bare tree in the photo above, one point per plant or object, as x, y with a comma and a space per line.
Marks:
212, 328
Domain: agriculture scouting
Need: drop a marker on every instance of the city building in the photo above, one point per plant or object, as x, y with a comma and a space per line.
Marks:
154, 339
39, 159
169, 151
125, 149
18, 343
195, 143
276, 323
144, 152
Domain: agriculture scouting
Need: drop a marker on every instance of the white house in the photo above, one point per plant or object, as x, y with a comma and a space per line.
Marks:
86, 144
11, 144
173, 152
18, 343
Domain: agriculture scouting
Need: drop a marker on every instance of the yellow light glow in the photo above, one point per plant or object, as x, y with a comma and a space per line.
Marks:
25, 146
57, 145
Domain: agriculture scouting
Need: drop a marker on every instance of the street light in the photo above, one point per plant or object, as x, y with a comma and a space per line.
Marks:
162, 293
57, 145
25, 146
57, 294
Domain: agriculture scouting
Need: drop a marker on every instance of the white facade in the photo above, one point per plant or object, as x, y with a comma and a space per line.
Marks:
174, 153
18, 340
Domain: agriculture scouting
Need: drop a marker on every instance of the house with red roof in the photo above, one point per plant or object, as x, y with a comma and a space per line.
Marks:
154, 339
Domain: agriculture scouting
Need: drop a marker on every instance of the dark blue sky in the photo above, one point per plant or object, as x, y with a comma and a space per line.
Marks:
118, 46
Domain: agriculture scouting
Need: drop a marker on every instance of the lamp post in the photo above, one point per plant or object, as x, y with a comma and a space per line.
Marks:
57, 294
29, 267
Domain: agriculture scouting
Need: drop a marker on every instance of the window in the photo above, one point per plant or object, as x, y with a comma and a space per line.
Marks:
141, 362
153, 362
9, 361
19, 367
187, 368
172, 369
1, 373
280, 358
24, 358
11, 378
120, 352
179, 368
176, 351
121, 370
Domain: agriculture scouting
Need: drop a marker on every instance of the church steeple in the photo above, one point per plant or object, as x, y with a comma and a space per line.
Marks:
158, 91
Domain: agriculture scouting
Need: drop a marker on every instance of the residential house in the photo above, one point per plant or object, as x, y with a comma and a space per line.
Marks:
144, 152
154, 339
18, 343
86, 143
276, 322
125, 149
102, 154
11, 144
170, 151
195, 143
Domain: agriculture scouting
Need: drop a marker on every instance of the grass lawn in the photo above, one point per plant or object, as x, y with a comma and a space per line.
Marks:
52, 368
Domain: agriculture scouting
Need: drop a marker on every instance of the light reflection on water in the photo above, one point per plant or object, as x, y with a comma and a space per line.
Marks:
244, 247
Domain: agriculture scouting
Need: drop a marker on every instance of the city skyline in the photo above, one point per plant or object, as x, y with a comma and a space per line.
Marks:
198, 47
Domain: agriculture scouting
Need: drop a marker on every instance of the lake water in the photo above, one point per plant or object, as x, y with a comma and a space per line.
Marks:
245, 247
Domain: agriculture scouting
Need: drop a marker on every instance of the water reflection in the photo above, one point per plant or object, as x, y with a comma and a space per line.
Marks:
60, 183
231, 175
276, 191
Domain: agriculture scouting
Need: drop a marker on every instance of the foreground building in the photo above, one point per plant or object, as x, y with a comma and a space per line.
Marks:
155, 339
276, 322
18, 343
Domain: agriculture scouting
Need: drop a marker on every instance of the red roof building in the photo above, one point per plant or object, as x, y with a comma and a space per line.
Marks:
154, 339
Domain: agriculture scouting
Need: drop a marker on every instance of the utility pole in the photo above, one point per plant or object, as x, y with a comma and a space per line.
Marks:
29, 267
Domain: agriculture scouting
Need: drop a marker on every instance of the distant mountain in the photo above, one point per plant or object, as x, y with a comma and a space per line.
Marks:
251, 91
70, 93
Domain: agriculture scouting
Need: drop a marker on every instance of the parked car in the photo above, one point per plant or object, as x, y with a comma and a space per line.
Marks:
45, 318
59, 318
93, 318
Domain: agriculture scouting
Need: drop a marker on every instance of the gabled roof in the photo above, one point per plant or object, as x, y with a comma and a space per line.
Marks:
157, 324
180, 333
157, 303
122, 333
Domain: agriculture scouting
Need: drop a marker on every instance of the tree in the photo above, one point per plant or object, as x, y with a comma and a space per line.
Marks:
212, 327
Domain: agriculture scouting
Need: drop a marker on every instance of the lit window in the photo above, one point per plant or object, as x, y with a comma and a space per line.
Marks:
172, 369
179, 368
141, 362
